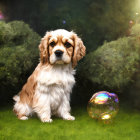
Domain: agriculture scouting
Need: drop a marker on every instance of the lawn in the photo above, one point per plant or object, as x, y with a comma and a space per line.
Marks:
126, 126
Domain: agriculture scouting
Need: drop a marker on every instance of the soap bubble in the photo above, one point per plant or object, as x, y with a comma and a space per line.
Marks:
103, 105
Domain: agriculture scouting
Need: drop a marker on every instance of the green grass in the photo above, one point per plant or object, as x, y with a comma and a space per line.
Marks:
126, 126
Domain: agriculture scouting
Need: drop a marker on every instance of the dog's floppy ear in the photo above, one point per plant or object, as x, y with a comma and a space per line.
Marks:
43, 47
79, 50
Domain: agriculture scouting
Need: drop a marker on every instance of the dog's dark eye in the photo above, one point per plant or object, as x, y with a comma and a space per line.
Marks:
67, 44
52, 44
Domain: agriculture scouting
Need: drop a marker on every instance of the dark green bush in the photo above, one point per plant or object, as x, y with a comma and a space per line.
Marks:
116, 66
114, 63
18, 54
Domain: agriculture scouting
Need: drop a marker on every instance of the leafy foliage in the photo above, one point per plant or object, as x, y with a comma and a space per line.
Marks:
116, 65
18, 53
95, 21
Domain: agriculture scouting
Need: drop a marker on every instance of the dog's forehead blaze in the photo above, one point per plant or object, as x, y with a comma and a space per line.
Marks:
60, 39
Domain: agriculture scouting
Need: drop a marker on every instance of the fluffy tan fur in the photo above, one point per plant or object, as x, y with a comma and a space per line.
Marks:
48, 89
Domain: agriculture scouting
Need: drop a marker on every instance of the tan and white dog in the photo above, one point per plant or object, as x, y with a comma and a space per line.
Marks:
47, 90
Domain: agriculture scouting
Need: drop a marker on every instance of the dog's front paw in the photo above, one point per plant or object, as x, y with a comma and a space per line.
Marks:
46, 120
23, 118
69, 117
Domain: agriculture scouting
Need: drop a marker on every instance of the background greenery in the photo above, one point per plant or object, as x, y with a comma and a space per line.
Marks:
18, 56
115, 65
110, 31
94, 20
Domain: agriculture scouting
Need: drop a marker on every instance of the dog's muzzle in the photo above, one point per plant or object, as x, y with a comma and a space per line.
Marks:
58, 54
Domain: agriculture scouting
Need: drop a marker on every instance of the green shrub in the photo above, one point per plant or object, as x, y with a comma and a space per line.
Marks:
114, 63
116, 66
18, 54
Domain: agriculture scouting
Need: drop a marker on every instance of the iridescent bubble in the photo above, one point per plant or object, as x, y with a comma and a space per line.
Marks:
103, 105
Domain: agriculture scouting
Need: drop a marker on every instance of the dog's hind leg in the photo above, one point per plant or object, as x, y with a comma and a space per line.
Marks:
22, 110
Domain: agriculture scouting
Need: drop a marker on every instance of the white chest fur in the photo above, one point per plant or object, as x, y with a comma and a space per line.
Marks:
54, 85
58, 75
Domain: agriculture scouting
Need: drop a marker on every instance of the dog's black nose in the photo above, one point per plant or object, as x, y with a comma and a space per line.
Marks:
58, 53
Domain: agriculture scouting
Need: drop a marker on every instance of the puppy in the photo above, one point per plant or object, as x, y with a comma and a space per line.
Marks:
47, 90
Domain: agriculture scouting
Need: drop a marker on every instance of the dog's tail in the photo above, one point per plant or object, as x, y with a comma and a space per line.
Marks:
16, 98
